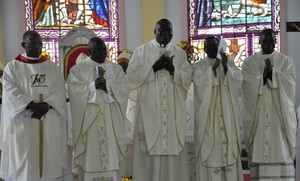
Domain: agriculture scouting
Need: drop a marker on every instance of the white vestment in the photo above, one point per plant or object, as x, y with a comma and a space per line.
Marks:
161, 114
22, 83
269, 115
298, 146
98, 117
217, 138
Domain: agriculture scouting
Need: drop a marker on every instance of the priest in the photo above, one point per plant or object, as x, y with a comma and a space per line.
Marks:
34, 132
162, 74
269, 114
98, 95
217, 87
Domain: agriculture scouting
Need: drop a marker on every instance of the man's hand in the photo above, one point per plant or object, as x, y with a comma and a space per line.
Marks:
224, 61
100, 83
267, 71
159, 64
39, 109
216, 65
168, 65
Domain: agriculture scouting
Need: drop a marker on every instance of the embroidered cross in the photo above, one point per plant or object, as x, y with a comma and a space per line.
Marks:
165, 123
224, 142
266, 142
103, 140
164, 97
221, 115
102, 128
222, 129
164, 151
164, 110
103, 155
165, 83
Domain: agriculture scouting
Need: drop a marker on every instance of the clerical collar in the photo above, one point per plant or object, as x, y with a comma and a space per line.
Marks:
31, 58
265, 56
158, 45
25, 59
97, 63
211, 59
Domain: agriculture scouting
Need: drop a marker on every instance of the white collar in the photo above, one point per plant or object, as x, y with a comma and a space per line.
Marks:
266, 56
31, 58
156, 44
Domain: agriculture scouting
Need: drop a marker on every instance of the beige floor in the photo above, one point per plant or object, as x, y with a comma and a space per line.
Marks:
126, 165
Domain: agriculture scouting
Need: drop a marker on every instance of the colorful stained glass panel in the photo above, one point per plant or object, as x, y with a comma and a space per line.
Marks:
238, 22
54, 18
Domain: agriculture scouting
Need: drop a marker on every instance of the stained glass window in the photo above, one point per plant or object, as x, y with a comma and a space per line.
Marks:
238, 22
54, 18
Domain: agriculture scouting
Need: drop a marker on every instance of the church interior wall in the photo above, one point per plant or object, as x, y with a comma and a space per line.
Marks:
12, 14
293, 41
13, 27
132, 24
1, 39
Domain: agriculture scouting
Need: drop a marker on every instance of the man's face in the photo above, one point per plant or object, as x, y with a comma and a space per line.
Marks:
98, 51
164, 32
211, 48
267, 42
33, 45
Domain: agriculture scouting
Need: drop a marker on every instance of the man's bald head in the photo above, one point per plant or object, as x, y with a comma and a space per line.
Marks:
163, 32
31, 34
163, 21
267, 41
211, 45
32, 43
97, 49
267, 32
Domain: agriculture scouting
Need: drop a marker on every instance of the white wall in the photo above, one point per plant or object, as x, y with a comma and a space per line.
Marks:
132, 24
13, 27
293, 41
14, 20
173, 12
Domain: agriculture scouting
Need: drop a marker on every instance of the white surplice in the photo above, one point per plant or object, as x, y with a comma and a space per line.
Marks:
22, 83
269, 113
298, 146
217, 138
98, 117
161, 114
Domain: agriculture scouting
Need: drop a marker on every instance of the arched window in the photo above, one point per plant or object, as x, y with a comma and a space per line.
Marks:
238, 22
54, 18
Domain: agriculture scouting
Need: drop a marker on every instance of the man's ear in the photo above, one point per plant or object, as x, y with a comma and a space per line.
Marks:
154, 31
23, 44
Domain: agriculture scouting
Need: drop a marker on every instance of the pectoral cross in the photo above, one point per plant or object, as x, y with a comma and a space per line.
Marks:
101, 71
41, 141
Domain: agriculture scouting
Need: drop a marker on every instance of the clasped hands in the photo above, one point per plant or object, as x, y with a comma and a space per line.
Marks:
267, 74
100, 83
224, 60
39, 109
165, 62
